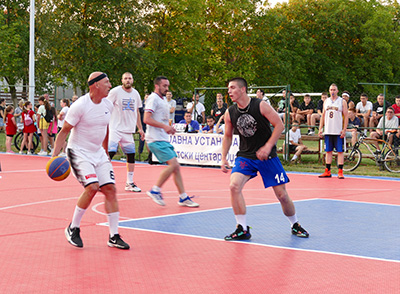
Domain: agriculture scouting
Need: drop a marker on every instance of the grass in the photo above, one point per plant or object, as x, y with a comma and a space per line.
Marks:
309, 163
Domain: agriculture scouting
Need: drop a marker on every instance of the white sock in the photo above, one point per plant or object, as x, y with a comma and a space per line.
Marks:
156, 189
292, 219
183, 195
113, 219
77, 217
129, 177
241, 220
294, 157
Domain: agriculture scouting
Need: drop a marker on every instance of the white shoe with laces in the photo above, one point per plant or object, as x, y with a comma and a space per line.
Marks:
187, 202
132, 187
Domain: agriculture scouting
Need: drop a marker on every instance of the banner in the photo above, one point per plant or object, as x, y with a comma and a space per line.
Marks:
202, 149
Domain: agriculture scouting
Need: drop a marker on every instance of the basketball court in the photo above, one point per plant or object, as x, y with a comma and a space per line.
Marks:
354, 244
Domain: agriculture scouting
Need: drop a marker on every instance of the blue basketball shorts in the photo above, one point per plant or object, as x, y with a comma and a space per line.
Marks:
271, 170
334, 142
163, 150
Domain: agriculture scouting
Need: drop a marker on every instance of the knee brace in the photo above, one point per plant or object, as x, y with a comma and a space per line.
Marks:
111, 154
130, 157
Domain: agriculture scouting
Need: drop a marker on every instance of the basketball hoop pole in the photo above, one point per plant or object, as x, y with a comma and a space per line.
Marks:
32, 53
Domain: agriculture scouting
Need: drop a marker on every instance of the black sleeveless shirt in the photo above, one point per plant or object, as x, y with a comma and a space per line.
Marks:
253, 128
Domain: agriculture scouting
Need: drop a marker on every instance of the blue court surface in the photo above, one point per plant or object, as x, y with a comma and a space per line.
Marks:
360, 229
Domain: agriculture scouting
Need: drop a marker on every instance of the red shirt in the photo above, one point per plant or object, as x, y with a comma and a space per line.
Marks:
11, 128
396, 108
31, 128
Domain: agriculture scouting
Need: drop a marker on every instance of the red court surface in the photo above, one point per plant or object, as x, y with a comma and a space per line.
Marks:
36, 258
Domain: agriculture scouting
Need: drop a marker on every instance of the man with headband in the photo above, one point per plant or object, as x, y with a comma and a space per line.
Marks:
88, 120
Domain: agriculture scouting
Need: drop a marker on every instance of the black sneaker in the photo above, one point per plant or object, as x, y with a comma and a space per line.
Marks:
73, 236
299, 231
117, 242
239, 234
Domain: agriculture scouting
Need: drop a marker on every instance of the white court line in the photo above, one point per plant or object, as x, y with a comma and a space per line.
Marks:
38, 202
266, 245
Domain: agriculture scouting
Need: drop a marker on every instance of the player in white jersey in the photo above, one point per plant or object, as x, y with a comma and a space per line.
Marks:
88, 118
156, 118
334, 118
124, 119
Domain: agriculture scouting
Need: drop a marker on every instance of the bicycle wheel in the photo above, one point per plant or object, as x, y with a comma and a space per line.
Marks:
18, 138
35, 141
392, 161
352, 160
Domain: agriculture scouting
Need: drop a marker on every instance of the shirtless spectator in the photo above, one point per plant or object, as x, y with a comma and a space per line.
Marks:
350, 103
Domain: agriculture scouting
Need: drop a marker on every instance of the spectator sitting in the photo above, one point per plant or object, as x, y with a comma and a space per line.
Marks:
261, 95
377, 111
391, 123
295, 143
281, 105
211, 127
317, 116
354, 123
294, 105
364, 110
305, 111
396, 107
192, 126
346, 96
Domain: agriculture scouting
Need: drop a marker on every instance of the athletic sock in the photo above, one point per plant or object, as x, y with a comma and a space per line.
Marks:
241, 220
156, 189
77, 217
183, 195
113, 219
328, 166
129, 177
292, 219
340, 166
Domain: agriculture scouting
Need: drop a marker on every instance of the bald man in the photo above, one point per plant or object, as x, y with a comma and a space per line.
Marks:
88, 120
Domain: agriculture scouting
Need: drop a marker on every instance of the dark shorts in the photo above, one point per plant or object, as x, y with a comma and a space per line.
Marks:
292, 148
271, 170
334, 142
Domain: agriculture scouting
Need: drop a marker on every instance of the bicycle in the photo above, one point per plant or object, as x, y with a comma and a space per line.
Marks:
19, 137
388, 157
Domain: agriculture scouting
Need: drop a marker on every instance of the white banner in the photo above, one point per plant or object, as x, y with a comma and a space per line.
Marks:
202, 149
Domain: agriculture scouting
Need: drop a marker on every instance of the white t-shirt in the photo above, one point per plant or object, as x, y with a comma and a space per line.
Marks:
333, 116
126, 104
171, 104
90, 123
159, 108
199, 108
61, 121
393, 123
294, 136
364, 109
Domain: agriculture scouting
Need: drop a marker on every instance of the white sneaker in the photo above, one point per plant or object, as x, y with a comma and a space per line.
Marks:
156, 196
132, 187
187, 202
62, 154
42, 153
21, 152
29, 153
311, 133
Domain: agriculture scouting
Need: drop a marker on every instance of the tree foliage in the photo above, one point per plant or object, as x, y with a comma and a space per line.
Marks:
305, 43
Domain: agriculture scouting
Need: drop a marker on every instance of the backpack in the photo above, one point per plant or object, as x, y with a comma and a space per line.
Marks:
27, 119
49, 116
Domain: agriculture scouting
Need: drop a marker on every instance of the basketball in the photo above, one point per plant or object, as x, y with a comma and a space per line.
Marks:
58, 168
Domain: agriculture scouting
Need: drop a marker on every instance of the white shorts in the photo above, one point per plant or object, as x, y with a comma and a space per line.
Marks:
94, 169
125, 140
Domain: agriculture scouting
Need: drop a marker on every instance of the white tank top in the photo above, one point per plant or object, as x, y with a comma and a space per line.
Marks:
333, 116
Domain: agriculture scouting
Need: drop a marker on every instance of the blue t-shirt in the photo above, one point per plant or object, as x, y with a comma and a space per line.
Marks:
194, 125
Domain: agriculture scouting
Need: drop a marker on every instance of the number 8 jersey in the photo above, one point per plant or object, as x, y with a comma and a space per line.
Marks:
333, 116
